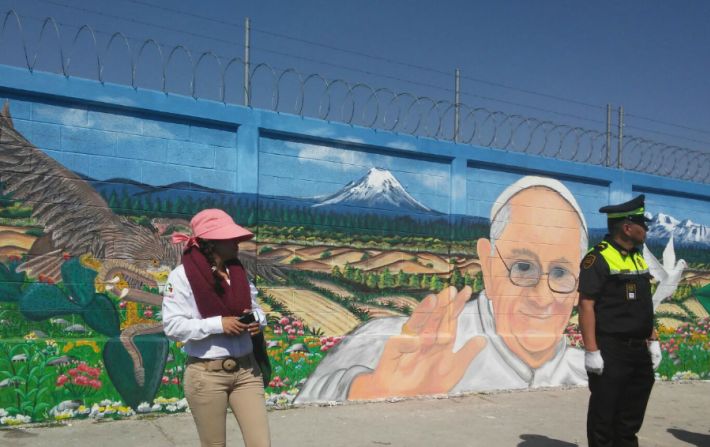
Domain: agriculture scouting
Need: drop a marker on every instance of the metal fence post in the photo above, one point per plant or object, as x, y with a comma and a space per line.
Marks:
608, 135
457, 105
621, 136
247, 68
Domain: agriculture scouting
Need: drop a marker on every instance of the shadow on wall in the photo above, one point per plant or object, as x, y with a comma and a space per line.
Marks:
543, 441
696, 439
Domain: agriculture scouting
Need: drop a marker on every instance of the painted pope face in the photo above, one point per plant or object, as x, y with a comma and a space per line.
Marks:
531, 274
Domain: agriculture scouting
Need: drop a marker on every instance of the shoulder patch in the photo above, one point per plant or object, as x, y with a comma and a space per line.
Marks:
169, 289
588, 261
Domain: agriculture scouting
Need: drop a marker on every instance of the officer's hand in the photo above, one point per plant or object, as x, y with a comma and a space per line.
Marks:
593, 362
421, 360
654, 348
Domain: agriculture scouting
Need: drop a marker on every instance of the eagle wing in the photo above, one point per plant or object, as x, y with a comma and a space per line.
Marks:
77, 219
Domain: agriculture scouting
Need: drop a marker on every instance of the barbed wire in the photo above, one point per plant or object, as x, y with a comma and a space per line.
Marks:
311, 94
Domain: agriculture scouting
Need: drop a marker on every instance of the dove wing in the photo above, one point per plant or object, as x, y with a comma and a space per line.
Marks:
669, 255
654, 266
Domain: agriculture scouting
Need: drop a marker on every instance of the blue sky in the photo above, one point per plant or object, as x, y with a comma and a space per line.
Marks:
651, 56
559, 60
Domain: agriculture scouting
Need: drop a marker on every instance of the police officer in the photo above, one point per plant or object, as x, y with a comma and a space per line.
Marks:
616, 320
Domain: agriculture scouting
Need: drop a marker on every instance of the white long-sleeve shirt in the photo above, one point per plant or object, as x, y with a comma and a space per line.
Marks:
203, 337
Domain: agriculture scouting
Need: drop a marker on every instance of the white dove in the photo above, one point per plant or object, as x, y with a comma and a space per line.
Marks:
668, 275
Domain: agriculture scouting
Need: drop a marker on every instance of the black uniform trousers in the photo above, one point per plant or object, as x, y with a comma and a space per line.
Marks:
619, 395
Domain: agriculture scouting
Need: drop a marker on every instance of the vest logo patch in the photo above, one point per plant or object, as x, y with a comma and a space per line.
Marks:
588, 261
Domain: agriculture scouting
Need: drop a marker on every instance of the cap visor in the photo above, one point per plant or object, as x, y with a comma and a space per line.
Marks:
229, 232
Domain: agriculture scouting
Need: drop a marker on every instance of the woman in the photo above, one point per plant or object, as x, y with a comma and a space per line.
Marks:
210, 305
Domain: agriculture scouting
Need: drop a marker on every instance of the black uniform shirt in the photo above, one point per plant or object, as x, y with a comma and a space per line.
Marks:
622, 302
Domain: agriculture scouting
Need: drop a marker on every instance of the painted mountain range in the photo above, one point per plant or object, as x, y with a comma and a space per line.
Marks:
684, 232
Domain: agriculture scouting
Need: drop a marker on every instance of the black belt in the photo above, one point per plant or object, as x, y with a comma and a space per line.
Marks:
628, 341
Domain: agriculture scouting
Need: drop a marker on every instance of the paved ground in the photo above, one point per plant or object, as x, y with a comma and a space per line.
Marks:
678, 415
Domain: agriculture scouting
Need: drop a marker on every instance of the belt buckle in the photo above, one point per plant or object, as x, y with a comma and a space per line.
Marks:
230, 364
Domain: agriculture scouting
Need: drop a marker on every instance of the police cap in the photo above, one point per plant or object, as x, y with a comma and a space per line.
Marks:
633, 210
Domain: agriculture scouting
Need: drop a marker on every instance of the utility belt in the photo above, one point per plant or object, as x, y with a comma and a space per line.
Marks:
228, 364
623, 340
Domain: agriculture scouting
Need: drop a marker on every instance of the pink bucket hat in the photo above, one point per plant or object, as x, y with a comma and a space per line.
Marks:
212, 224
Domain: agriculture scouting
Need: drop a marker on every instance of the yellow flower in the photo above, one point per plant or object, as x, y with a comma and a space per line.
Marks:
50, 342
31, 336
68, 347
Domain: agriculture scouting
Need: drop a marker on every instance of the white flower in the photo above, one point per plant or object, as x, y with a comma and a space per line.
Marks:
171, 408
17, 420
126, 411
95, 411
105, 402
156, 407
143, 407
3, 412
182, 403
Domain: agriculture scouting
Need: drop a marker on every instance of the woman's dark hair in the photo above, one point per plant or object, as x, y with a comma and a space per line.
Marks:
206, 248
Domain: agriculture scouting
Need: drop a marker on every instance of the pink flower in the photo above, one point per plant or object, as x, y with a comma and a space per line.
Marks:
61, 380
283, 321
175, 381
148, 313
298, 323
291, 337
300, 332
165, 379
287, 327
73, 372
81, 380
95, 383
278, 330
122, 304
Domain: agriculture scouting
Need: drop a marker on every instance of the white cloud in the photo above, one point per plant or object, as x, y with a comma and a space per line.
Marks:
399, 144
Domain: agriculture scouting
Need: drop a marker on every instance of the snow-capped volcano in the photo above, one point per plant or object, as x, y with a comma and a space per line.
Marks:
685, 232
377, 189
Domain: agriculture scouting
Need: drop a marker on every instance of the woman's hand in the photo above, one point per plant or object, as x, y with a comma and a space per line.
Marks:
232, 326
254, 328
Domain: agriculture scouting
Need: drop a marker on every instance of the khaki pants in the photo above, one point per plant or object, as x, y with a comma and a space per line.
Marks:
209, 392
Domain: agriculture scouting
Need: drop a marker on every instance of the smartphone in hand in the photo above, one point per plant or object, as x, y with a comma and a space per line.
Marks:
247, 318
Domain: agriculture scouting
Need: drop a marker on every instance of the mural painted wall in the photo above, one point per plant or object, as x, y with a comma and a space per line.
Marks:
389, 265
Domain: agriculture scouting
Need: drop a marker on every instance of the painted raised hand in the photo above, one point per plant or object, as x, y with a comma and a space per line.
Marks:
421, 359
